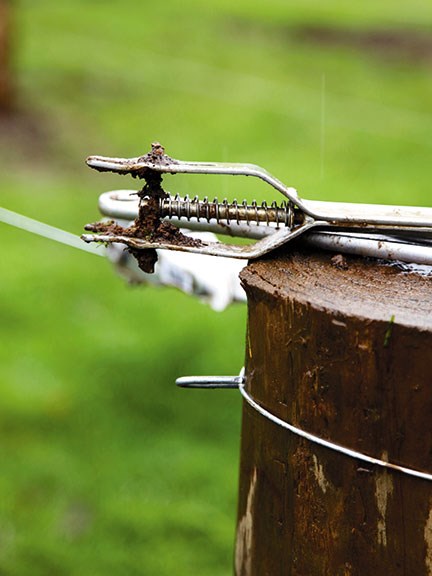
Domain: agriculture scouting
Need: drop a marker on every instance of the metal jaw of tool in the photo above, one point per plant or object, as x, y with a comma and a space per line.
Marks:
271, 224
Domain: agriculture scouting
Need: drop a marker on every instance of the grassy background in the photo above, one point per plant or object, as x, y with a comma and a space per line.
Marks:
106, 468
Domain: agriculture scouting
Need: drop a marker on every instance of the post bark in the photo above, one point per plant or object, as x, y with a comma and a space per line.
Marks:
340, 349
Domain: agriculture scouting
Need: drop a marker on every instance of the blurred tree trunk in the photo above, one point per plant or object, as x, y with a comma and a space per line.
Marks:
6, 89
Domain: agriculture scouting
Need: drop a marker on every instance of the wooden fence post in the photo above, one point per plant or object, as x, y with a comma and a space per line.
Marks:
341, 349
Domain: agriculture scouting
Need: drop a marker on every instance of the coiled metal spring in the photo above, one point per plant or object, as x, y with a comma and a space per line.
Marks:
226, 212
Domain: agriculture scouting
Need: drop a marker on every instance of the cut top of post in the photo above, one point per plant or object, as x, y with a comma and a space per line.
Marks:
348, 286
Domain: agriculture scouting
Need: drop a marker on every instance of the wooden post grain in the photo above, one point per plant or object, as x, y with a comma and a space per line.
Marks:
341, 349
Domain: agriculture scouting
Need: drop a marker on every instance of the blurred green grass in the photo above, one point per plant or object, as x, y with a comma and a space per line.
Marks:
106, 467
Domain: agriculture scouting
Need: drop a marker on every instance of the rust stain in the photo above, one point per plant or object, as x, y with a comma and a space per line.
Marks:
243, 557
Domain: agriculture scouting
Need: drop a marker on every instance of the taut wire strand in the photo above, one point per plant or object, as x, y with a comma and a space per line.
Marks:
331, 445
47, 231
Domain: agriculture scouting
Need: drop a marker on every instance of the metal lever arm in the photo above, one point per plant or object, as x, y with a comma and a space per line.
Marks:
335, 214
263, 222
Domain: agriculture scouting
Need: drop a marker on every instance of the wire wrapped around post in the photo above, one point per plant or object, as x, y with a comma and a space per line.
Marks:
336, 454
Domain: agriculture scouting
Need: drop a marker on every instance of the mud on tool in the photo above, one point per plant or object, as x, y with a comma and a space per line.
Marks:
158, 215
